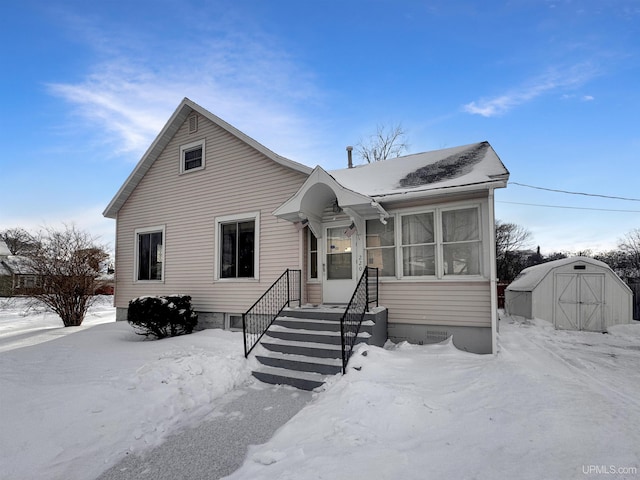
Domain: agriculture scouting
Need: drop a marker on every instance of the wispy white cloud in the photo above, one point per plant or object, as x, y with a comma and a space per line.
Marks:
553, 81
248, 81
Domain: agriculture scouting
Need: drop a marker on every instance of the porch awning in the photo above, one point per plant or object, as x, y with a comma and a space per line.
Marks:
321, 190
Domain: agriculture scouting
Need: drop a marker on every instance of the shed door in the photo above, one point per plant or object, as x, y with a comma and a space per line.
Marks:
566, 306
591, 300
579, 301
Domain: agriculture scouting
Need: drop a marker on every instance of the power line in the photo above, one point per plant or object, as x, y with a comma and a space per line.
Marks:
578, 193
572, 208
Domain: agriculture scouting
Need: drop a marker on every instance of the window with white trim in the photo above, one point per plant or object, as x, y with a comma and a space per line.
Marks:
192, 156
380, 246
150, 254
238, 246
312, 243
435, 243
461, 242
418, 242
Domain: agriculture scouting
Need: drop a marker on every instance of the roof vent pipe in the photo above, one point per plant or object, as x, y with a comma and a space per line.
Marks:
349, 159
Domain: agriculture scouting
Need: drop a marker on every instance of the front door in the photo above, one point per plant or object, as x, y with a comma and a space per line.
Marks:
338, 277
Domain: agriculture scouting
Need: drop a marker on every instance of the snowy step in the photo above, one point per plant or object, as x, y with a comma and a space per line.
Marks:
315, 336
327, 366
282, 376
308, 323
311, 349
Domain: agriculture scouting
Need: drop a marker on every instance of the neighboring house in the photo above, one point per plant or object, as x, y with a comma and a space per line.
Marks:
16, 276
211, 213
577, 293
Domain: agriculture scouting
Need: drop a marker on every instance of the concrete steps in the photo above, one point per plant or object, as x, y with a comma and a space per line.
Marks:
303, 346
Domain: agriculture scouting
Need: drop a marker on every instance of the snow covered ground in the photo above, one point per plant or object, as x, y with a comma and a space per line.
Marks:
551, 404
74, 405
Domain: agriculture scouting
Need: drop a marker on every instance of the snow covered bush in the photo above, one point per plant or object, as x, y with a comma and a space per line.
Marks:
160, 317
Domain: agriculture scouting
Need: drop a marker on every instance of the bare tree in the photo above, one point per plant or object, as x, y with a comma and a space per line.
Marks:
385, 143
511, 237
630, 247
68, 264
18, 240
511, 240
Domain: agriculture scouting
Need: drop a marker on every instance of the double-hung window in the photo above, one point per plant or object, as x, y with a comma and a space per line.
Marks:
192, 156
381, 246
418, 244
461, 242
238, 246
150, 254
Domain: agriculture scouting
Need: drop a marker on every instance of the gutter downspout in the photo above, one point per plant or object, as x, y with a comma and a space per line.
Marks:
493, 282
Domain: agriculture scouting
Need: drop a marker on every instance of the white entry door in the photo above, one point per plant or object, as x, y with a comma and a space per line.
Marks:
338, 272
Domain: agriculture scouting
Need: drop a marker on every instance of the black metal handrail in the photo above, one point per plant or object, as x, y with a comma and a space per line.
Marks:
366, 292
255, 321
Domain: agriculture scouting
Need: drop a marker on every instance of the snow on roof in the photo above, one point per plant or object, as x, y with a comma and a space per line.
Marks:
18, 264
4, 250
4, 271
530, 277
467, 165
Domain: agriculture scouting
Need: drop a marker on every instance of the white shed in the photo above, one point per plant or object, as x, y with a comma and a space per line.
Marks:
577, 293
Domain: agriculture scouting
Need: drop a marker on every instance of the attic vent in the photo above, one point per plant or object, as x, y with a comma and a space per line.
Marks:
579, 267
193, 124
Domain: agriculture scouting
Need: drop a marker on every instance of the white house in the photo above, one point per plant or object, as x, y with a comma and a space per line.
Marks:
211, 213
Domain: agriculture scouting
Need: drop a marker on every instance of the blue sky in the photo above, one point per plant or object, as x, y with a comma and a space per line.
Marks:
552, 85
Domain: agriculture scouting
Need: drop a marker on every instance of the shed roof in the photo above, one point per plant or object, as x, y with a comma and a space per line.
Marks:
531, 277
176, 120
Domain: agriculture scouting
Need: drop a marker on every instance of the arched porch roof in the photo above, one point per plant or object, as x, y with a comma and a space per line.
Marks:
321, 190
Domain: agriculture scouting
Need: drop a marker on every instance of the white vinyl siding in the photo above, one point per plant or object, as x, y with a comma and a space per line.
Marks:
438, 303
237, 179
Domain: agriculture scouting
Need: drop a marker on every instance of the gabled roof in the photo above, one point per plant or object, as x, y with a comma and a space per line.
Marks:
164, 137
530, 277
464, 168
